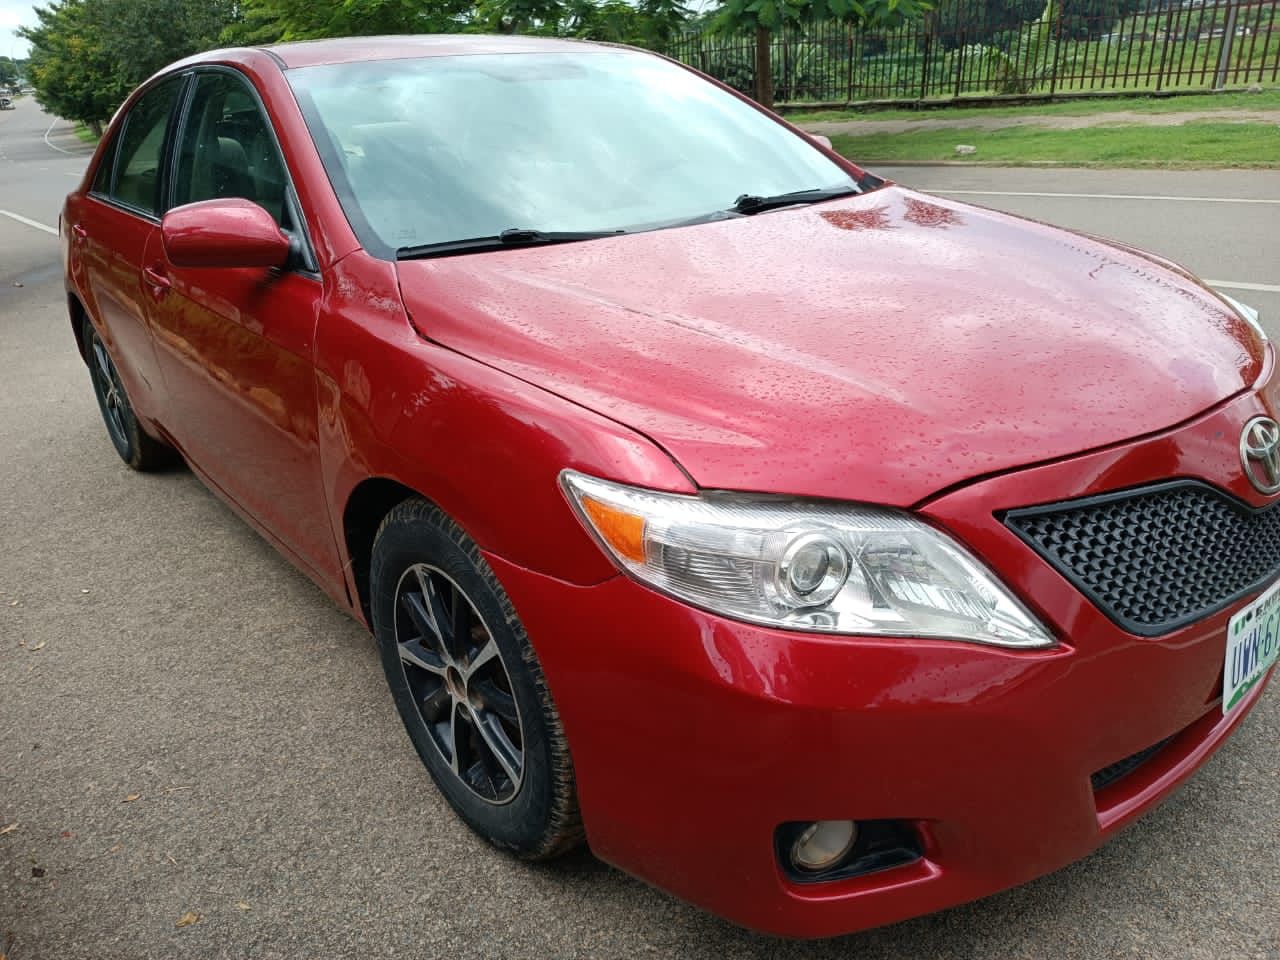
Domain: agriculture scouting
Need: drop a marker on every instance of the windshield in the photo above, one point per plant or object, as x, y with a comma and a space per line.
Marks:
441, 149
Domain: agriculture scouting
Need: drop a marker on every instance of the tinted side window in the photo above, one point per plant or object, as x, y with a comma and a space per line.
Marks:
102, 178
227, 149
139, 167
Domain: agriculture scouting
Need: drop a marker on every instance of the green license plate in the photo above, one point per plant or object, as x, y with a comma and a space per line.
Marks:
1253, 645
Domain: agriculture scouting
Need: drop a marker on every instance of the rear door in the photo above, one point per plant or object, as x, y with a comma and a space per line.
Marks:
236, 345
110, 231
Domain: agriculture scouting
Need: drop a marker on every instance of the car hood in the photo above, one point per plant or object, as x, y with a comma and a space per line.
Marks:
879, 348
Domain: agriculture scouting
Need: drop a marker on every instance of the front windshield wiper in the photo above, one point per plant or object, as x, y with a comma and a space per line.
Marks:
515, 237
748, 203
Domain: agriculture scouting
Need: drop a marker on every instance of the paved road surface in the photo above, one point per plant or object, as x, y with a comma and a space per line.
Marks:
187, 725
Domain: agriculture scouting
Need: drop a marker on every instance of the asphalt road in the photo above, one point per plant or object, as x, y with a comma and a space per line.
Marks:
187, 725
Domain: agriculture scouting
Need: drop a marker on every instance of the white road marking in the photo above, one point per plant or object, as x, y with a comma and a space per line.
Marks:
30, 223
53, 146
1238, 285
1097, 196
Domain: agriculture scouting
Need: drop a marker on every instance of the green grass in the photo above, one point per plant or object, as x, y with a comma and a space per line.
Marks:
1190, 145
85, 134
1267, 100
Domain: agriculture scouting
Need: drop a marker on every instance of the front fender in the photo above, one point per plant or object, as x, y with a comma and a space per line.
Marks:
486, 447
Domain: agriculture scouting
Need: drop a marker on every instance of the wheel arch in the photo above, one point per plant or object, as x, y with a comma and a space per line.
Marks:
368, 503
78, 314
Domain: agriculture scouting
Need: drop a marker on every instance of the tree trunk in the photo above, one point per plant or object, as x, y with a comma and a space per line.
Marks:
96, 127
764, 69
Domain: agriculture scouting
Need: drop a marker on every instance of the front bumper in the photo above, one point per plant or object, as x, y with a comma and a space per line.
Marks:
694, 737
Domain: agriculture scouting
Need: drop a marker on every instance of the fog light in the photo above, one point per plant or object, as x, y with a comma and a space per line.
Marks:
823, 844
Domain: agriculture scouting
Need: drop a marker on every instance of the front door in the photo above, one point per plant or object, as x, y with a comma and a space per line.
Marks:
235, 345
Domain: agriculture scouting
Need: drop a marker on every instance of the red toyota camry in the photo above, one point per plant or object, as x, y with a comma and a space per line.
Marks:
823, 552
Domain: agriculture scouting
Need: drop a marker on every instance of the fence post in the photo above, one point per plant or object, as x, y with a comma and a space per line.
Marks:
924, 70
1053, 49
848, 86
960, 66
1164, 51
1228, 42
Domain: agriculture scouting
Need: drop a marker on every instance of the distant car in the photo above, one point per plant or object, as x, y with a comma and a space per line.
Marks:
6, 103
828, 552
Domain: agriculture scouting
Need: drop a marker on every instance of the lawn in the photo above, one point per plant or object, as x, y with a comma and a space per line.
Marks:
1267, 100
1209, 144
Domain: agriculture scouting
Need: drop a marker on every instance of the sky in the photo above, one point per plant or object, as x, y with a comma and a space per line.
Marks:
14, 14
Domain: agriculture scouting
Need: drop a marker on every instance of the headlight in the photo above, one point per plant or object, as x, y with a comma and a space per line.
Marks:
1248, 314
803, 566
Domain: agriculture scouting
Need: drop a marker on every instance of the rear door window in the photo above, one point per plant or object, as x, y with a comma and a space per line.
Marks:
139, 168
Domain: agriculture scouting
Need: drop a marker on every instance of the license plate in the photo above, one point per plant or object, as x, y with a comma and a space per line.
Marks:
1253, 645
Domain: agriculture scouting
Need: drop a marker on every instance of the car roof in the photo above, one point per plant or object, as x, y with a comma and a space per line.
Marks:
309, 53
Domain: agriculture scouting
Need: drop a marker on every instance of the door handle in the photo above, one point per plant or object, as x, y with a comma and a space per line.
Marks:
79, 232
157, 280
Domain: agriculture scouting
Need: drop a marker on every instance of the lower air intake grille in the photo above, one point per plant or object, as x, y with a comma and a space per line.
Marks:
1157, 558
1122, 768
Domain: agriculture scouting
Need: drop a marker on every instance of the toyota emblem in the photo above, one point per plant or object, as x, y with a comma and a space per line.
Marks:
1260, 454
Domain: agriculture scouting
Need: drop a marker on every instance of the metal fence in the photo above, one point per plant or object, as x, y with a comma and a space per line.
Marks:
1165, 45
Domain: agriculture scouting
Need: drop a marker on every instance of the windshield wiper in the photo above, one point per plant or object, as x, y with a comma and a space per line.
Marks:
515, 237
748, 203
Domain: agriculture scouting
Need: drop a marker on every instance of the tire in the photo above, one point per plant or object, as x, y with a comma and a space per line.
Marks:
136, 447
468, 685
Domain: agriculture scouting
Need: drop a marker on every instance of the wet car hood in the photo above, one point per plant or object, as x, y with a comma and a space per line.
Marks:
878, 348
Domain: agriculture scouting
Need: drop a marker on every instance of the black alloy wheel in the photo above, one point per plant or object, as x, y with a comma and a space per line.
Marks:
106, 384
136, 447
453, 666
468, 685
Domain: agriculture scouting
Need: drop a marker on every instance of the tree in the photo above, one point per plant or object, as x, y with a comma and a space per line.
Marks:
1090, 19
272, 21
763, 17
960, 22
87, 55
8, 71
661, 19
146, 35
530, 16
74, 75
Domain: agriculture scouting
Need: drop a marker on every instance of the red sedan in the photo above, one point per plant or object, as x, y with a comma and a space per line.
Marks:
823, 552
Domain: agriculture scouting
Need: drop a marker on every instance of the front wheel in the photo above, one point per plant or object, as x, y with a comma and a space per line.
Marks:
136, 447
468, 685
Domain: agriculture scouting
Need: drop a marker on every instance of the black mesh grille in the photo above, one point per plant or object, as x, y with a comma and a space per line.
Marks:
1157, 558
1122, 768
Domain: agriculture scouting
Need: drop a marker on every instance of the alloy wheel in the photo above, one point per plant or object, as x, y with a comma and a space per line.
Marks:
459, 682
108, 381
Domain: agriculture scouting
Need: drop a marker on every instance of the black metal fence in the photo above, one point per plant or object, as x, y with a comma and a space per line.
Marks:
1165, 45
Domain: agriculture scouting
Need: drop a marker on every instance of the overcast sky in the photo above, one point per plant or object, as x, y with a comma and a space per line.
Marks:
14, 14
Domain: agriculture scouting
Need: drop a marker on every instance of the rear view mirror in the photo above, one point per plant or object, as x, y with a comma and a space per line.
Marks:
229, 232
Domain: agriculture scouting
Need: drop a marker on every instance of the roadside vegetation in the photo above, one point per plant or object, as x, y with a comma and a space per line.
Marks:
982, 48
1266, 100
1190, 145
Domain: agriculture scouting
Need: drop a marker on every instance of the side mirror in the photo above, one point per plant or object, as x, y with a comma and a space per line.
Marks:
820, 140
229, 232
